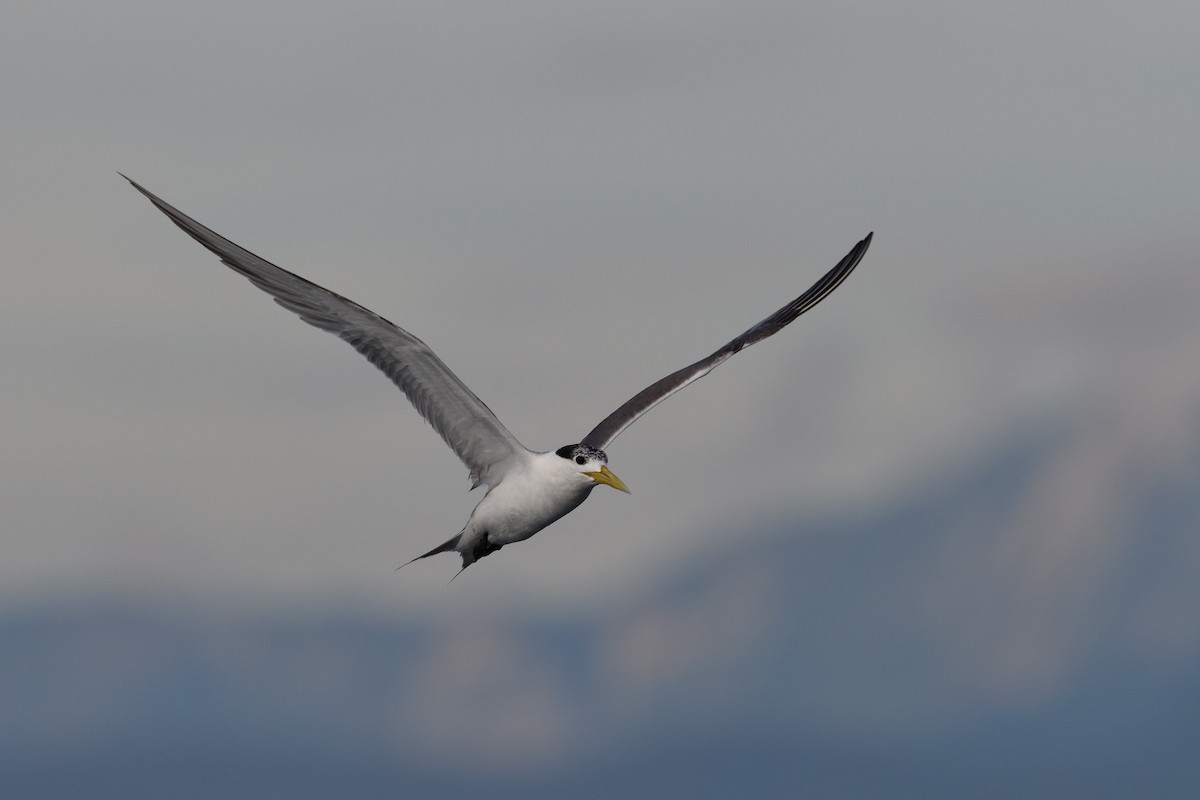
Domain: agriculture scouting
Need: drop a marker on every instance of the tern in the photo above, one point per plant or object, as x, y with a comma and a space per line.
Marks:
526, 490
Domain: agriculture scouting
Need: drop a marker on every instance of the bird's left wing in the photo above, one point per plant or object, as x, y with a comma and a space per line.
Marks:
603, 434
466, 424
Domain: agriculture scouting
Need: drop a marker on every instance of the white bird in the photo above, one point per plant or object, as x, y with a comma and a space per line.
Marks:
526, 490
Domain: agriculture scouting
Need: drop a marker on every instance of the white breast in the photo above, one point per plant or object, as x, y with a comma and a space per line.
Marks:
529, 498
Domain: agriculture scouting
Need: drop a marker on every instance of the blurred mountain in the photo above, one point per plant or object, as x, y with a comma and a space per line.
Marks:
1024, 626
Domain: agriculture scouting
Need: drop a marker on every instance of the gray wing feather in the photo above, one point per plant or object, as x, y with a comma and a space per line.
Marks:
466, 424
603, 434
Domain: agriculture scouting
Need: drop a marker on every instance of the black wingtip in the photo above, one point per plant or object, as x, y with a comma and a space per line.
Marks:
141, 189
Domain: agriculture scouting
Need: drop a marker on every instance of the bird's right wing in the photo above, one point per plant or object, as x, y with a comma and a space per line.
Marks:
466, 424
602, 435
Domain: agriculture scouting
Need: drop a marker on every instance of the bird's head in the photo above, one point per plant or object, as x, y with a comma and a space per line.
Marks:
593, 463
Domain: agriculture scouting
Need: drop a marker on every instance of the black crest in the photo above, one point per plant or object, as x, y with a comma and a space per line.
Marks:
581, 453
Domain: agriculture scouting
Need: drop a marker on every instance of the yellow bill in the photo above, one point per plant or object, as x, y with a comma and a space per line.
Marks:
606, 476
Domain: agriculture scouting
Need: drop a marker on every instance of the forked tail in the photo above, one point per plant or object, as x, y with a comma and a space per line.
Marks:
449, 546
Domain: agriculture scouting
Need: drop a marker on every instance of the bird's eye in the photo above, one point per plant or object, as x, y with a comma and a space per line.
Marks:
580, 460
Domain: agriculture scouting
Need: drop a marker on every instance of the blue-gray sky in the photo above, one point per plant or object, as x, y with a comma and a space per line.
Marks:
567, 201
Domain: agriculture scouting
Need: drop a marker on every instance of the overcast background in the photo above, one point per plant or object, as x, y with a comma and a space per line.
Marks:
938, 538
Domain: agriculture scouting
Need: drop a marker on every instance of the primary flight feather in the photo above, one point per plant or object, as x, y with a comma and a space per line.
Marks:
527, 490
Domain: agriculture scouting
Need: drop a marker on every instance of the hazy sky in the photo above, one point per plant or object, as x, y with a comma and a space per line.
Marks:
566, 201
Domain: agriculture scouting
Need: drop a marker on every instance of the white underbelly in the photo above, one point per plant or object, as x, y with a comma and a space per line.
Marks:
510, 513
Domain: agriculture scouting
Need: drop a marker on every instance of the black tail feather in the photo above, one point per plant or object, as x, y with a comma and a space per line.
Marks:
447, 546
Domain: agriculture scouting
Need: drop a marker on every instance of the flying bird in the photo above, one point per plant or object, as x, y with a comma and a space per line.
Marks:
526, 490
